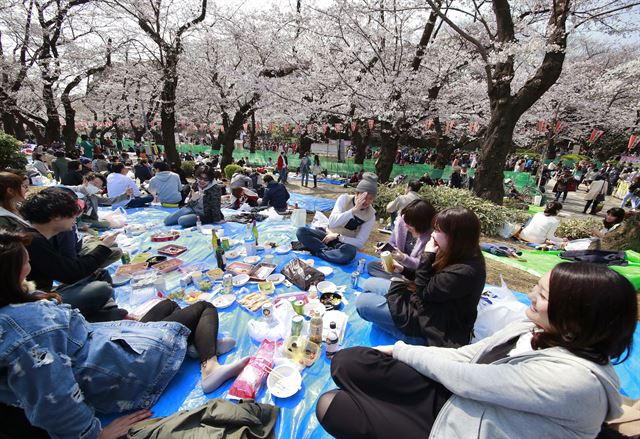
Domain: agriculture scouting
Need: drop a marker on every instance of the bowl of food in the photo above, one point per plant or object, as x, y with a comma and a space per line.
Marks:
214, 273
331, 300
284, 381
326, 287
266, 287
276, 278
121, 280
251, 260
240, 280
153, 260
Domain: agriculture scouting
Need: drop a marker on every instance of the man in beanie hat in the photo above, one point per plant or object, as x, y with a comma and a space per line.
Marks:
350, 225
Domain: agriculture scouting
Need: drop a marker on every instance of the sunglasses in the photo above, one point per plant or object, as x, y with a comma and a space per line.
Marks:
202, 179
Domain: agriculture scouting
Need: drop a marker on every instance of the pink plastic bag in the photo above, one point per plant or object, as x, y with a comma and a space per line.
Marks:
248, 383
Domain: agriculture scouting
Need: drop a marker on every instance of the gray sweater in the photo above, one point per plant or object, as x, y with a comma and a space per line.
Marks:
548, 393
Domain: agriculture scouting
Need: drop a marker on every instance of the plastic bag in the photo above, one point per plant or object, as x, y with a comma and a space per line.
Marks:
261, 330
116, 219
301, 274
496, 309
248, 383
579, 244
320, 221
508, 230
299, 217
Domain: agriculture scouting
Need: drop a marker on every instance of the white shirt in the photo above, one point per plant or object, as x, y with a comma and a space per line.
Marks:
117, 184
541, 228
340, 216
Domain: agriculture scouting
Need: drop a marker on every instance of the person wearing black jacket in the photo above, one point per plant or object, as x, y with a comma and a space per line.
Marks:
53, 211
275, 194
438, 306
73, 177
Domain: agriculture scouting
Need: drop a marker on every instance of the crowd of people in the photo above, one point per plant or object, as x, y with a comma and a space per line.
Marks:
68, 350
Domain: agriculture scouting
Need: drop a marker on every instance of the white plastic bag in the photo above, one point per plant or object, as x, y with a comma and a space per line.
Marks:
259, 330
508, 229
299, 217
496, 309
116, 219
579, 244
320, 220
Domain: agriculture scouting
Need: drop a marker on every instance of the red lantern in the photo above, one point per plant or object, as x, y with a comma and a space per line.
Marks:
353, 126
338, 127
371, 123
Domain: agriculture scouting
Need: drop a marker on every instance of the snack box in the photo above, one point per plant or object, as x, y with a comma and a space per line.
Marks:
131, 268
261, 271
172, 250
165, 236
239, 268
168, 265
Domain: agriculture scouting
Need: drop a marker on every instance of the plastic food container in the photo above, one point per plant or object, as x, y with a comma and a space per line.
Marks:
301, 350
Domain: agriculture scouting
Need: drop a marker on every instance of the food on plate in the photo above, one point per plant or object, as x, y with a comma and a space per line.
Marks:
177, 295
214, 273
205, 285
266, 287
253, 301
165, 236
192, 297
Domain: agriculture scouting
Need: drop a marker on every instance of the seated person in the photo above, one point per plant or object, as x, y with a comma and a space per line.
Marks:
350, 225
13, 190
410, 235
242, 179
118, 182
59, 370
52, 211
241, 195
92, 185
549, 376
543, 226
204, 201
410, 194
73, 177
438, 306
165, 184
612, 221
275, 194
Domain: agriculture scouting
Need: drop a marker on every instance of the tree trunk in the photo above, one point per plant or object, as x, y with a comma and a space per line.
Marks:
488, 182
69, 133
444, 148
35, 129
551, 149
167, 109
304, 143
388, 149
361, 149
9, 124
52, 128
252, 133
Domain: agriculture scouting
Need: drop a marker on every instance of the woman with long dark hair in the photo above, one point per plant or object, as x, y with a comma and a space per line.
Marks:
436, 303
13, 191
59, 369
547, 376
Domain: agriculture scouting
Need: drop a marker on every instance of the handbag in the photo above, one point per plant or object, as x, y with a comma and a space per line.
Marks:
301, 274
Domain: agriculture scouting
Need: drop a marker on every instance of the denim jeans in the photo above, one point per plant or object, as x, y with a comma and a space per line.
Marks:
139, 201
375, 270
88, 295
185, 216
372, 306
635, 200
305, 176
282, 175
336, 253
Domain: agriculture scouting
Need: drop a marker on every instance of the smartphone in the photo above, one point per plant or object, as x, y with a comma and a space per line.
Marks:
386, 248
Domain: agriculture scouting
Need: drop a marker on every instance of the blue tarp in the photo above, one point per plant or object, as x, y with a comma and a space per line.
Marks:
297, 418
310, 202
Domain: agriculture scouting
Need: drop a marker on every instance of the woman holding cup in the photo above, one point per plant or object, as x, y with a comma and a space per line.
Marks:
408, 240
436, 303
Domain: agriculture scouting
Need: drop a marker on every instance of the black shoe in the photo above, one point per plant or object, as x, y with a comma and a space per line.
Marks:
298, 246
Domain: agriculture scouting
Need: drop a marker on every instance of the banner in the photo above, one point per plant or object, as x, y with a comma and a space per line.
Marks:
557, 128
633, 141
353, 126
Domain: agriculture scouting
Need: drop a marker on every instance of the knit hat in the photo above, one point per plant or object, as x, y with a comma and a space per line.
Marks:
368, 184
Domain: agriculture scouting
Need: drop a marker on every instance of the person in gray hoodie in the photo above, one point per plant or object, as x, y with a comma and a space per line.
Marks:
549, 376
165, 184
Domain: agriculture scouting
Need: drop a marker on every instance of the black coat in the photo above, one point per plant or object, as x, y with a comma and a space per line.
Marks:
443, 309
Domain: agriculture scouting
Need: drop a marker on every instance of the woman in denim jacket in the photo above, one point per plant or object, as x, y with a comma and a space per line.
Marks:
58, 370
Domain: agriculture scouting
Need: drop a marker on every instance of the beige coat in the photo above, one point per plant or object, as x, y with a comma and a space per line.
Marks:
597, 187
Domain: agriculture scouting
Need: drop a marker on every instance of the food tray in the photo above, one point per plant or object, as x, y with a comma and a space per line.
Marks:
165, 236
167, 266
239, 268
131, 268
253, 301
172, 250
261, 271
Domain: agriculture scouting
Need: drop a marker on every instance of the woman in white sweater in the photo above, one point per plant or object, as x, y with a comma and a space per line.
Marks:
543, 225
546, 377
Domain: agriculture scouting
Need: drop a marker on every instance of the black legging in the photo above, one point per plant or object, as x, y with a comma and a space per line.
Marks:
593, 208
201, 318
315, 181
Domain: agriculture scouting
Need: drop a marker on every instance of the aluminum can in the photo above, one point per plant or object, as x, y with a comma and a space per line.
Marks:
362, 263
125, 258
185, 280
227, 283
267, 312
298, 307
296, 326
355, 276
225, 244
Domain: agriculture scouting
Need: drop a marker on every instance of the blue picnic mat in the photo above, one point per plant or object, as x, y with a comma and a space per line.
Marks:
310, 202
297, 416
